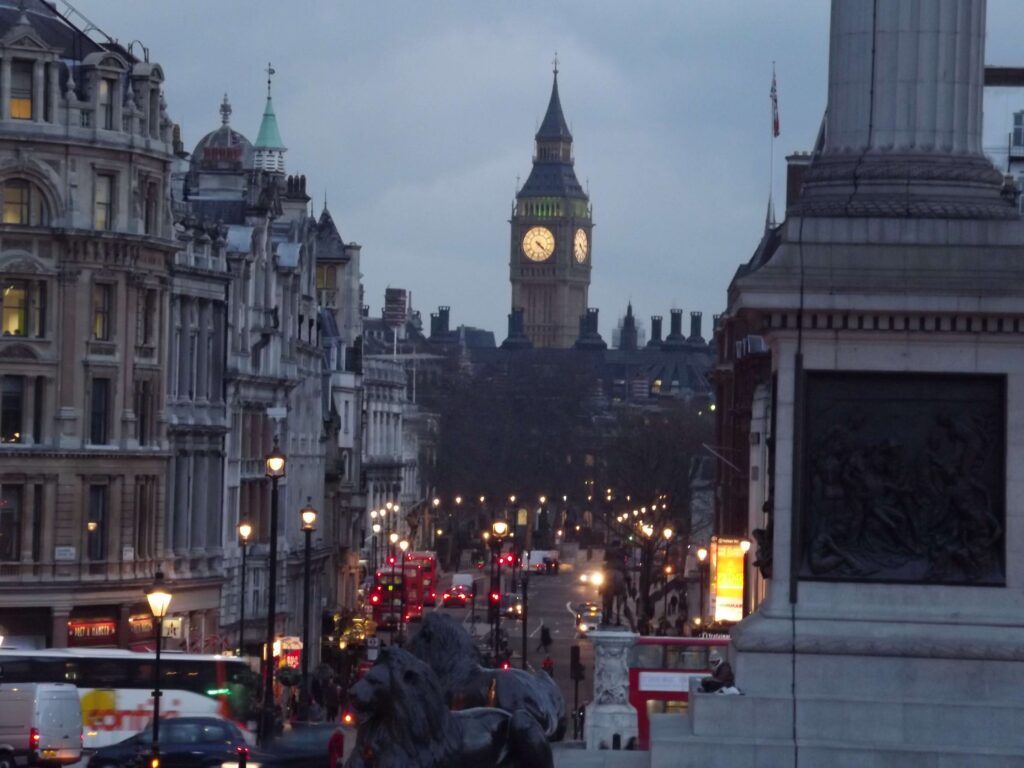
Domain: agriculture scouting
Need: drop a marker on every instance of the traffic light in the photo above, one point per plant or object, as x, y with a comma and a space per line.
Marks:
391, 559
495, 597
575, 665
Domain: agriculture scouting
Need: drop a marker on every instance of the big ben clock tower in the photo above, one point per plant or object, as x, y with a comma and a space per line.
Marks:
550, 252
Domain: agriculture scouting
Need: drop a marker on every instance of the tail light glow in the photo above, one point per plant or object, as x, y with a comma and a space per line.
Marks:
33, 738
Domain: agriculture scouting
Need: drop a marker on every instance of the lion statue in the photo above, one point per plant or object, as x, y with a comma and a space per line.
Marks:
403, 723
450, 652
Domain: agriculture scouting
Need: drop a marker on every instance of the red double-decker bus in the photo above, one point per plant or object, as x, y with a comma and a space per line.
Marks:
397, 592
427, 561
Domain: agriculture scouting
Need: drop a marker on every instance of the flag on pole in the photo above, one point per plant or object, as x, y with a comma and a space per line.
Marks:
775, 106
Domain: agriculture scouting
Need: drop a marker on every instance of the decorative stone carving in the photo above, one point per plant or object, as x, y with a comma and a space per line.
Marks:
610, 714
924, 506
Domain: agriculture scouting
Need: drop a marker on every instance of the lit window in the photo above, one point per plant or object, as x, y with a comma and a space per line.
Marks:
21, 90
104, 196
14, 312
23, 204
96, 525
106, 103
101, 301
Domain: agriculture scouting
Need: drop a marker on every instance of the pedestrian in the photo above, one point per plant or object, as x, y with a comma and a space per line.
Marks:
548, 665
673, 604
545, 639
336, 748
332, 699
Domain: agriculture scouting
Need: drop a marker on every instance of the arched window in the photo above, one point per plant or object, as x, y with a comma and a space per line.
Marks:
24, 204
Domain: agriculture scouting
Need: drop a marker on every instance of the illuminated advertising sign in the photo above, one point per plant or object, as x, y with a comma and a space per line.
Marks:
726, 580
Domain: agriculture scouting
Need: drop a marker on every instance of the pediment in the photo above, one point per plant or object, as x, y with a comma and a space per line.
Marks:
25, 38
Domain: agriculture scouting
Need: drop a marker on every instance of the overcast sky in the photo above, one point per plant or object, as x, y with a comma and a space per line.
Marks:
417, 117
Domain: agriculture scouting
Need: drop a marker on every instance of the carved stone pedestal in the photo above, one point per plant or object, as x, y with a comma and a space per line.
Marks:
610, 714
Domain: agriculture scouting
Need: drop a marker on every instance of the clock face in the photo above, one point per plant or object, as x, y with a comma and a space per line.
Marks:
538, 243
580, 246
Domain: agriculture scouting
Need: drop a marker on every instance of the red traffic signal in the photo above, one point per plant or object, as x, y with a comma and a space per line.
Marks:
495, 597
391, 559
374, 599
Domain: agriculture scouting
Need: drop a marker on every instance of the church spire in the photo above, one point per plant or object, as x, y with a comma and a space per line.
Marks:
554, 127
270, 148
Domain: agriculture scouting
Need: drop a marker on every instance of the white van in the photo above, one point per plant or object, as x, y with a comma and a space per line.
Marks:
40, 724
463, 580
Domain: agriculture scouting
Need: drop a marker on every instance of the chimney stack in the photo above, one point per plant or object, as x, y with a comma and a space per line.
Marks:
655, 340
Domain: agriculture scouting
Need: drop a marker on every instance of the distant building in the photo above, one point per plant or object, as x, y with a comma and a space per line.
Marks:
551, 237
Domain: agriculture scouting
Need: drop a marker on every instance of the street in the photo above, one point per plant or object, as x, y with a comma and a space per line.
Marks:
549, 602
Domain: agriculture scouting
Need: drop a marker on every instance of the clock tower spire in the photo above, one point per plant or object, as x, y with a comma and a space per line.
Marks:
550, 256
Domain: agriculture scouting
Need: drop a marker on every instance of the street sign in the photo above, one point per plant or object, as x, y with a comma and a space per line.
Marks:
372, 648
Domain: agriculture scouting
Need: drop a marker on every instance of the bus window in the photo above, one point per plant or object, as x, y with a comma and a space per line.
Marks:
646, 656
686, 657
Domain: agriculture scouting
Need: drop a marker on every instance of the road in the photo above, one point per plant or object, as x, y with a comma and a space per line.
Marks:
549, 599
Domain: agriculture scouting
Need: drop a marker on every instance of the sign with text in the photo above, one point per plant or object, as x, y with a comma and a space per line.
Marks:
726, 580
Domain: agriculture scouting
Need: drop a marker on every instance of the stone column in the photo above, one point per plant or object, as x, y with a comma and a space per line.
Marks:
922, 89
59, 627
28, 411
53, 97
202, 377
28, 511
37, 91
179, 511
5, 93
610, 714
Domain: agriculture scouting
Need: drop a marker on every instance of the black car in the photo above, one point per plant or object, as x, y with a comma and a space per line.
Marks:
185, 742
304, 746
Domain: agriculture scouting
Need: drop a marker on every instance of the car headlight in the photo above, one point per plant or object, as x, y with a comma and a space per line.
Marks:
583, 627
584, 578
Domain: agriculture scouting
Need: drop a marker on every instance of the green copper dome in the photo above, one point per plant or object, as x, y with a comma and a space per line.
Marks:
269, 136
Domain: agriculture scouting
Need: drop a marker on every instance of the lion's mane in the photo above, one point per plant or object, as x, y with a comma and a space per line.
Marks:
407, 722
447, 649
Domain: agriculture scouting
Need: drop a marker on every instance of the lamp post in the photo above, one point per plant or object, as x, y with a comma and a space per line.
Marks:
308, 515
275, 470
702, 556
244, 532
159, 600
376, 531
375, 527
392, 541
499, 529
403, 545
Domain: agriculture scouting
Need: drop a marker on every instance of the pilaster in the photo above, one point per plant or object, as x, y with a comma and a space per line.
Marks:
610, 714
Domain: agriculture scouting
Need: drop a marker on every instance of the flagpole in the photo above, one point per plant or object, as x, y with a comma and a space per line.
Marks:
771, 151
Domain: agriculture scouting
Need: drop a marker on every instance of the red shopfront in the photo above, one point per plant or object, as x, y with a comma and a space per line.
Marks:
660, 669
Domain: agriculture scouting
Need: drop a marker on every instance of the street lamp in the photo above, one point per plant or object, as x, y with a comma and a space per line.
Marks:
702, 556
403, 545
376, 531
499, 528
308, 515
159, 600
275, 470
244, 532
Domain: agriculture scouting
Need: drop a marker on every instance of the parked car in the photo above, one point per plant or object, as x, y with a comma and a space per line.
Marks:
40, 724
305, 746
185, 742
458, 595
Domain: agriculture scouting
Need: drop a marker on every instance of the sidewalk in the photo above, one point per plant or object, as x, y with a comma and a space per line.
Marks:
572, 755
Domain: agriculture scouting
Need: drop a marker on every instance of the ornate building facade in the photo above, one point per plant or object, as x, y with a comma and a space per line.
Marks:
551, 238
86, 255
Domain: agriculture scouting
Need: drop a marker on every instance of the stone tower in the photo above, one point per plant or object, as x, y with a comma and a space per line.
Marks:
550, 249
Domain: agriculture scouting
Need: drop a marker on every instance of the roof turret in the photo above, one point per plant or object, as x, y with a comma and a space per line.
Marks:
270, 148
